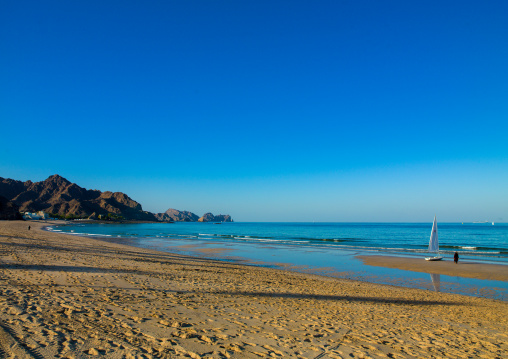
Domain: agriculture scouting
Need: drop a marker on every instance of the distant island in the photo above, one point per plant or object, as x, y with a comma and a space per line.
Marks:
59, 198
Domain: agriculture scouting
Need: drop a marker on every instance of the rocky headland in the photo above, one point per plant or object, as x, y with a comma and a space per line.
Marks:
60, 197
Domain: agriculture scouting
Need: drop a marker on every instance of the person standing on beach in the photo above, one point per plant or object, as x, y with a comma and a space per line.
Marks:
456, 257
28, 227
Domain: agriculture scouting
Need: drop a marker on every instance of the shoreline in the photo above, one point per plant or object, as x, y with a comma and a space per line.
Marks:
339, 263
464, 269
65, 295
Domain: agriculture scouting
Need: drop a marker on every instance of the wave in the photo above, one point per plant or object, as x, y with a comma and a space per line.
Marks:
472, 248
390, 238
281, 238
92, 234
416, 250
350, 243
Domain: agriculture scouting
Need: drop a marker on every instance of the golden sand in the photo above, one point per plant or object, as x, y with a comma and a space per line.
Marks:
63, 296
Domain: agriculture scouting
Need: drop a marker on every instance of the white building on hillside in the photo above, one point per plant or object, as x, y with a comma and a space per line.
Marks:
36, 216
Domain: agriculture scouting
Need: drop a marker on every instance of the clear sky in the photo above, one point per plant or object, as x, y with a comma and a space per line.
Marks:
265, 110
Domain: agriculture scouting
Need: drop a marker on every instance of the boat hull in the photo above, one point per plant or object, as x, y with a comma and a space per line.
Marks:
433, 258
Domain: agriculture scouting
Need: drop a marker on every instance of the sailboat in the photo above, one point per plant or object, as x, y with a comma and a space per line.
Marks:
434, 243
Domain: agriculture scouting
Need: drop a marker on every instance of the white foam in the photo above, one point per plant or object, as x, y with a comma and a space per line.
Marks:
267, 240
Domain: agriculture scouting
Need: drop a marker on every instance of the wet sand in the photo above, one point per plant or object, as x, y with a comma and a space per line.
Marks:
446, 267
63, 296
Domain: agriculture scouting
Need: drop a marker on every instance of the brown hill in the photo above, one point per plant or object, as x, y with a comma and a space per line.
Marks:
60, 196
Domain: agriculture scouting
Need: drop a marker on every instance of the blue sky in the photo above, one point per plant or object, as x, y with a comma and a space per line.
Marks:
266, 110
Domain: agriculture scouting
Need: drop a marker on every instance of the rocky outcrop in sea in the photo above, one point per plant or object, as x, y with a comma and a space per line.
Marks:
209, 217
174, 215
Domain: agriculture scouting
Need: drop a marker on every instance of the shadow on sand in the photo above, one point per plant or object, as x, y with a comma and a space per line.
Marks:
251, 294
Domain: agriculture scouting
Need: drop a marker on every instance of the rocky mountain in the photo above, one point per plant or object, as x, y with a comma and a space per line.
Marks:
60, 196
8, 210
57, 195
209, 217
174, 215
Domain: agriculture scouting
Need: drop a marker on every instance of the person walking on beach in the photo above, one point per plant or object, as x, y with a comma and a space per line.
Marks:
456, 257
28, 227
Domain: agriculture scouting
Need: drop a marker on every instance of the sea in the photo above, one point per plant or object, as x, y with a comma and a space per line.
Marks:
329, 249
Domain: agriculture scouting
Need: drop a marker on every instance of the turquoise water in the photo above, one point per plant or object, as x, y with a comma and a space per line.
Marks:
325, 248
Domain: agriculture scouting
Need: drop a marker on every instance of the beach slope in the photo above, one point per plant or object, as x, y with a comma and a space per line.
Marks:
63, 296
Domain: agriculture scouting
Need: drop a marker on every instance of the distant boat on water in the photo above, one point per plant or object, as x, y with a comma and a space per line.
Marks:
434, 243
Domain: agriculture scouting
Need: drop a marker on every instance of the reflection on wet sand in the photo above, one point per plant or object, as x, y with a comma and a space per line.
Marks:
436, 281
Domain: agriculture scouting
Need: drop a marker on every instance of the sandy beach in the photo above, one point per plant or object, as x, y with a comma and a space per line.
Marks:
64, 296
